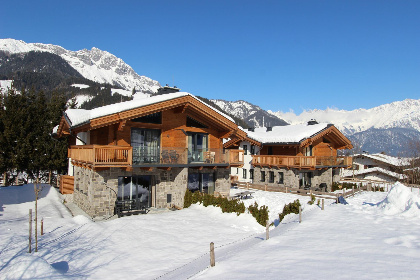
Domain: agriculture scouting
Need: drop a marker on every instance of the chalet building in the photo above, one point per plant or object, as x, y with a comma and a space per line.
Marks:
377, 167
303, 156
147, 152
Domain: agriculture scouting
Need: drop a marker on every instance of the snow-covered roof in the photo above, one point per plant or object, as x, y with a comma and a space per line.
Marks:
80, 116
349, 173
286, 134
395, 161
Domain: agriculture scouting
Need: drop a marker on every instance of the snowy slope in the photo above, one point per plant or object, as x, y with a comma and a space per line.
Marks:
402, 114
175, 244
95, 64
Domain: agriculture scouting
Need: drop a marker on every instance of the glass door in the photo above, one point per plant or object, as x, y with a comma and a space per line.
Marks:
146, 145
197, 146
135, 192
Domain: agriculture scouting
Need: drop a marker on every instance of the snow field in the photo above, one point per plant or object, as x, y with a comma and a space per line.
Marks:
371, 237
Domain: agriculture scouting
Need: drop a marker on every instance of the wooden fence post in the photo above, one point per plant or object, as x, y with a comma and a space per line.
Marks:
42, 226
247, 186
30, 230
212, 257
300, 214
286, 189
336, 199
267, 230
352, 189
322, 208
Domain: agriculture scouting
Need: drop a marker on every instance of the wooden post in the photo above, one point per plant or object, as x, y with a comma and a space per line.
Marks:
336, 200
30, 231
212, 257
300, 214
286, 189
247, 186
42, 226
352, 189
322, 208
267, 230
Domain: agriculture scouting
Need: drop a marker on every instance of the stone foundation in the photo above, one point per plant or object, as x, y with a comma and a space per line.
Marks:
291, 177
95, 192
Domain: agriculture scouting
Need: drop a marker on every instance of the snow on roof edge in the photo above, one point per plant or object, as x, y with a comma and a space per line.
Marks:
79, 117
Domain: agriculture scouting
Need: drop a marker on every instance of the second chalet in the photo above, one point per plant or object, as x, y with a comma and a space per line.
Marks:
295, 156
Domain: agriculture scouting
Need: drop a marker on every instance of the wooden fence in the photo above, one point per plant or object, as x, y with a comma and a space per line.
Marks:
327, 195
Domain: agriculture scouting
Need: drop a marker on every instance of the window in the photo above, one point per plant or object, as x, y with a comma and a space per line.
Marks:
252, 149
146, 145
262, 176
197, 146
251, 174
202, 182
245, 149
194, 123
281, 178
271, 176
135, 190
152, 118
237, 170
244, 174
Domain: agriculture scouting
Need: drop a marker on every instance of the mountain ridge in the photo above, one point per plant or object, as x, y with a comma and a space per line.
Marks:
95, 64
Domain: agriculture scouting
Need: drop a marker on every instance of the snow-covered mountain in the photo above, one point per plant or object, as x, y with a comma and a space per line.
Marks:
399, 114
95, 64
252, 114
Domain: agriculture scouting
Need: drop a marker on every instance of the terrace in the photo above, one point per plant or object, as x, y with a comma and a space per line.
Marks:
105, 156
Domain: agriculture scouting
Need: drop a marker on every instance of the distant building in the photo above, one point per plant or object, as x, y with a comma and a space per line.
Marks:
377, 167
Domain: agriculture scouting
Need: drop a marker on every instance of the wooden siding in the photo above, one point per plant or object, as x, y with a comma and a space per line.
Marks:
301, 162
66, 184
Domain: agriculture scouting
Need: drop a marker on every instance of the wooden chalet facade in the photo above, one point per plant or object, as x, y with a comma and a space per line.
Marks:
303, 156
147, 152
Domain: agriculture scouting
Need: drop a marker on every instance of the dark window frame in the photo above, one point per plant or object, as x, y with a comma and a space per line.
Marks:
262, 176
281, 177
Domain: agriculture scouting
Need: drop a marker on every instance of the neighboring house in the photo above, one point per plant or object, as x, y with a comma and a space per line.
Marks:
303, 156
147, 152
377, 167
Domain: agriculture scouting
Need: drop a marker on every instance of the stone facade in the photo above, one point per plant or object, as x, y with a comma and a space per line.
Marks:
95, 192
291, 177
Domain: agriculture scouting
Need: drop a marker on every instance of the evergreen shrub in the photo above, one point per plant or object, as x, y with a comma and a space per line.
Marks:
260, 214
292, 207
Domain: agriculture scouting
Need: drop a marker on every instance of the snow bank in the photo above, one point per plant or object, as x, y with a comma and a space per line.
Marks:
400, 200
29, 266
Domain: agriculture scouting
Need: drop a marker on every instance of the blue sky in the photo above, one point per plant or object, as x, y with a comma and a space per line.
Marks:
279, 55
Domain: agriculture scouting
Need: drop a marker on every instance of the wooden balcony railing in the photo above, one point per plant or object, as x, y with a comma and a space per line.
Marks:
306, 162
101, 155
124, 156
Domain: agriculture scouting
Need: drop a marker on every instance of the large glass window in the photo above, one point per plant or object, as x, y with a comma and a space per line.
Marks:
251, 174
244, 173
146, 145
197, 146
202, 182
135, 191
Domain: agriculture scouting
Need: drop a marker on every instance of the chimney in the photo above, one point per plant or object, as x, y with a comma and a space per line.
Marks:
251, 129
269, 128
312, 122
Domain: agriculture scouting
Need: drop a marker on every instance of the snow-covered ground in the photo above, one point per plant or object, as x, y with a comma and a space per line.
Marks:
376, 235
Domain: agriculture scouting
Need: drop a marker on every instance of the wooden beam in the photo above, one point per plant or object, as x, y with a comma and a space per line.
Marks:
121, 125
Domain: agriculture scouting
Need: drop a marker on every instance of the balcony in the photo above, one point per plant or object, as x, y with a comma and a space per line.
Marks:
302, 162
97, 156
